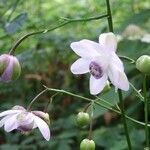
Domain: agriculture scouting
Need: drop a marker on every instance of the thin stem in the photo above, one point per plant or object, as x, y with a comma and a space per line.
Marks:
97, 103
91, 122
137, 92
50, 102
109, 18
132, 61
63, 23
110, 23
146, 112
31, 103
124, 119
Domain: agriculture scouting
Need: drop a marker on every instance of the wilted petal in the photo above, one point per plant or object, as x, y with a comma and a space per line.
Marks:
86, 48
80, 66
97, 85
108, 41
43, 127
8, 112
118, 78
10, 124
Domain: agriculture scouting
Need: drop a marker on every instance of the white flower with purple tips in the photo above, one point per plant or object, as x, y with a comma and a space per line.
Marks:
101, 61
21, 119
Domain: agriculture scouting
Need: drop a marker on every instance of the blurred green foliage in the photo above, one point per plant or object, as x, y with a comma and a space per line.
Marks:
46, 59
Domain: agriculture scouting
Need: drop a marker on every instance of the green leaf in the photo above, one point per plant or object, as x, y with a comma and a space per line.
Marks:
16, 24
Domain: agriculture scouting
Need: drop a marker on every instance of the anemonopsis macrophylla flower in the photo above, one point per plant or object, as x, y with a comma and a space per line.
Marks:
101, 61
10, 68
20, 119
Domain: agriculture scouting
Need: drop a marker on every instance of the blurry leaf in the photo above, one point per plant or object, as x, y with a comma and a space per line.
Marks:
7, 147
63, 145
138, 19
16, 23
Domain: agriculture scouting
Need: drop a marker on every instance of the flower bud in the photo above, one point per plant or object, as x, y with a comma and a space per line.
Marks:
87, 144
83, 119
143, 64
9, 68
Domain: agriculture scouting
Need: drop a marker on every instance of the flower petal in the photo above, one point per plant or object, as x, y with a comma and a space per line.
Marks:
43, 127
8, 112
97, 85
10, 124
118, 78
116, 60
80, 66
86, 48
2, 121
108, 41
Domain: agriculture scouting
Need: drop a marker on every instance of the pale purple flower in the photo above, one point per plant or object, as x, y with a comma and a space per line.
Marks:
9, 68
101, 61
21, 119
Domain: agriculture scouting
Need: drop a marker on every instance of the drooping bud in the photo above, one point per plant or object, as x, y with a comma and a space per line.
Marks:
143, 64
44, 116
87, 144
10, 68
83, 119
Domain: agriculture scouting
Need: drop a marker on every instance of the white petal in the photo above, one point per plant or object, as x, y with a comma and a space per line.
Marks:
118, 78
108, 41
2, 121
86, 48
80, 66
10, 124
116, 60
43, 127
8, 112
97, 85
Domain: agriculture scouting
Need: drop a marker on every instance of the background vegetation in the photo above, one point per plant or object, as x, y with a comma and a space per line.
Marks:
46, 59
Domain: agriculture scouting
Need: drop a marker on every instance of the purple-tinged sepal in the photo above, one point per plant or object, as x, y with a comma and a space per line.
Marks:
10, 68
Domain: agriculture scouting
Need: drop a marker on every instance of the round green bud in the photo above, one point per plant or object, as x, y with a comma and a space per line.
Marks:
143, 64
87, 144
83, 119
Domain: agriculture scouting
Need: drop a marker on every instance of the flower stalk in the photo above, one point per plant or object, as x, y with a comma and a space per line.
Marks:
97, 103
110, 23
31, 103
124, 119
61, 24
146, 112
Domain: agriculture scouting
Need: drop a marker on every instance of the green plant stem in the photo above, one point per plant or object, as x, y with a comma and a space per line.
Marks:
132, 61
110, 23
124, 119
97, 103
146, 112
61, 24
31, 103
109, 18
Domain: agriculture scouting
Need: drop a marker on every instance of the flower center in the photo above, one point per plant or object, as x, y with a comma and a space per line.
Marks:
96, 70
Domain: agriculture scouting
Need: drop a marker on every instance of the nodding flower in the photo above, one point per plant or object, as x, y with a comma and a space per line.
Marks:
20, 119
10, 68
